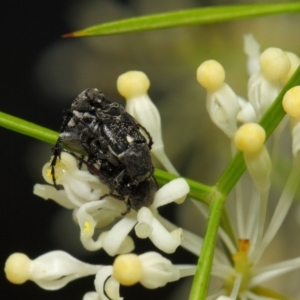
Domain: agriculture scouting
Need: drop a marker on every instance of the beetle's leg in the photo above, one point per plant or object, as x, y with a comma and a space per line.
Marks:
150, 142
57, 149
128, 209
81, 162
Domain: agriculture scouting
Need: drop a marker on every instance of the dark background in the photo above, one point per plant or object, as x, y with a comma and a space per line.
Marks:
42, 73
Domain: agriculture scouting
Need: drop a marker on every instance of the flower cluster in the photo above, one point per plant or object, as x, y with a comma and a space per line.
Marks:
269, 71
103, 224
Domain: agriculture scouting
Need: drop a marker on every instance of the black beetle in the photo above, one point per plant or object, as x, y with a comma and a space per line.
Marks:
116, 150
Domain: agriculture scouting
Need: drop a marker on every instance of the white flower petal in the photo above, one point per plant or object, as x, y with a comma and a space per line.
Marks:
296, 140
97, 214
116, 236
223, 108
91, 296
133, 85
80, 186
103, 212
266, 273
145, 112
262, 92
49, 192
157, 270
73, 196
259, 167
176, 189
252, 49
106, 286
82, 189
144, 226
164, 240
247, 113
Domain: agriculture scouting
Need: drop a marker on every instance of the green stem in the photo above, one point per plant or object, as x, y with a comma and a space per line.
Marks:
28, 128
201, 279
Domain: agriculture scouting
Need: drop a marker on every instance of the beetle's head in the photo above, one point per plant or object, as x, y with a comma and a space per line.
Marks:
89, 100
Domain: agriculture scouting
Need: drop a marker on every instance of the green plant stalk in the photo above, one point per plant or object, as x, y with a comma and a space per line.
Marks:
202, 278
204, 15
222, 188
28, 128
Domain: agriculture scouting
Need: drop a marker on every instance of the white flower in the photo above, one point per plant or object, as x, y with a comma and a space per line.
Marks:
133, 86
150, 269
265, 85
250, 139
221, 102
98, 214
82, 191
79, 186
107, 287
91, 296
268, 72
245, 278
50, 271
247, 113
252, 49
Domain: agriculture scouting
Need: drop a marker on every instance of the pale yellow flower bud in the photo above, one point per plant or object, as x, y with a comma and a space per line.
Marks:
250, 138
295, 62
132, 84
211, 75
291, 102
17, 268
274, 63
127, 269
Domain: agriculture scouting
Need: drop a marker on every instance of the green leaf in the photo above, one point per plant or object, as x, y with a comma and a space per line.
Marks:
188, 17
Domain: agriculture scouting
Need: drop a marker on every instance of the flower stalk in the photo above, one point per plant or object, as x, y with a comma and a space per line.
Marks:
202, 276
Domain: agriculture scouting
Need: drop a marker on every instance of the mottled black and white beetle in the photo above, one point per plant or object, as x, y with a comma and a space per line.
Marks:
116, 150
